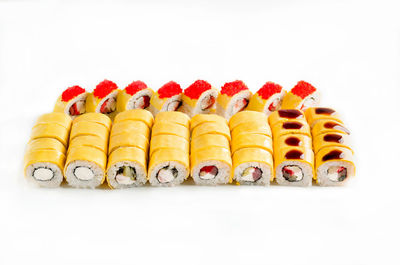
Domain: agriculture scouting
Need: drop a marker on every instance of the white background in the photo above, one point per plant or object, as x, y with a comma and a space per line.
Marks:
350, 50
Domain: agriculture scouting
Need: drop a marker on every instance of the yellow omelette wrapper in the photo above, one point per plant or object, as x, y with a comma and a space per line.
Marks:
44, 156
96, 118
130, 126
170, 128
292, 140
208, 140
212, 153
291, 127
45, 144
86, 153
89, 140
331, 139
132, 154
50, 130
291, 101
128, 140
251, 128
248, 155
211, 128
328, 126
315, 114
247, 116
80, 128
174, 117
167, 155
283, 115
251, 141
298, 153
57, 118
202, 118
135, 115
165, 141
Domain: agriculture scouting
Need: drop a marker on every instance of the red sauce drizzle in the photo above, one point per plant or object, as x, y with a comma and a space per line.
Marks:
333, 138
336, 126
294, 154
332, 155
292, 125
293, 141
325, 111
290, 113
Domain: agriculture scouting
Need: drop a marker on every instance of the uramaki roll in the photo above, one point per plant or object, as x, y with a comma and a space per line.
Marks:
291, 127
328, 126
173, 117
293, 140
208, 140
302, 96
202, 118
165, 141
247, 116
211, 128
135, 115
103, 99
133, 127
170, 128
315, 114
211, 166
331, 139
234, 97
267, 99
199, 97
99, 118
285, 115
45, 144
252, 166
85, 167
88, 128
135, 96
294, 166
334, 165
128, 140
251, 141
44, 167
251, 128
90, 141
127, 167
50, 130
167, 98
57, 118
168, 167
72, 101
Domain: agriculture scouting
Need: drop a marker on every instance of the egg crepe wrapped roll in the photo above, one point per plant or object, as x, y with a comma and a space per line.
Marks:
127, 167
199, 97
208, 140
55, 118
135, 115
50, 130
202, 118
294, 140
251, 141
165, 141
328, 126
173, 117
267, 99
85, 167
334, 165
135, 96
89, 128
252, 166
247, 116
294, 166
234, 97
170, 128
90, 141
103, 99
128, 140
315, 114
251, 128
72, 101
45, 144
168, 167
167, 98
302, 96
94, 117
211, 128
285, 115
291, 127
331, 139
133, 127
211, 166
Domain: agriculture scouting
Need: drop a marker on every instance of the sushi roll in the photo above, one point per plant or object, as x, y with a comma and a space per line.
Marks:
165, 141
130, 126
135, 96
84, 127
328, 126
85, 167
202, 118
93, 117
293, 140
252, 166
135, 115
211, 128
334, 165
167, 98
331, 139
208, 140
103, 99
72, 101
173, 117
55, 118
45, 144
127, 167
294, 166
128, 139
302, 96
247, 116
234, 97
267, 99
170, 128
199, 98
50, 130
211, 166
251, 140
285, 115
89, 140
168, 167
315, 114
291, 127
251, 128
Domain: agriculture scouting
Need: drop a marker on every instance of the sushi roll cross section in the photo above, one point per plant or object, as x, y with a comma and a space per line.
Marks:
134, 96
167, 98
267, 99
199, 97
103, 99
72, 101
234, 97
302, 96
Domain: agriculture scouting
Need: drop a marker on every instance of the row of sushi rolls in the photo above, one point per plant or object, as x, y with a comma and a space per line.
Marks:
135, 136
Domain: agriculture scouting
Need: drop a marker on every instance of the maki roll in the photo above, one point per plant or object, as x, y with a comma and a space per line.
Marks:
103, 99
135, 96
291, 127
72, 101
331, 139
55, 118
252, 166
267, 99
89, 140
167, 98
302, 96
84, 127
202, 118
251, 128
173, 117
130, 126
127, 167
45, 144
315, 114
199, 97
128, 139
135, 115
251, 140
328, 126
208, 140
211, 166
165, 141
234, 97
93, 117
294, 166
211, 128
51, 130
85, 167
285, 115
334, 165
293, 140
170, 128
247, 116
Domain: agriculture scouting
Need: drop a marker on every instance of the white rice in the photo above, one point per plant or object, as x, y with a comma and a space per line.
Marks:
310, 101
275, 97
168, 105
222, 177
134, 100
140, 175
44, 174
230, 108
81, 97
198, 109
306, 170
91, 180
182, 174
322, 173
265, 177
111, 95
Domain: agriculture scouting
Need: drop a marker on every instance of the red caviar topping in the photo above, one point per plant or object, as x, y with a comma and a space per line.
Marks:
169, 89
233, 88
134, 87
104, 88
195, 90
303, 89
269, 89
72, 92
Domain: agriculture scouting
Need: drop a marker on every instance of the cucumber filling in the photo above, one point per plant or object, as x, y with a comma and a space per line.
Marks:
126, 175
